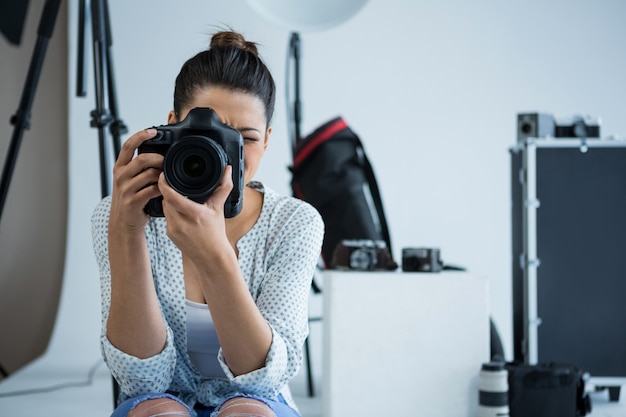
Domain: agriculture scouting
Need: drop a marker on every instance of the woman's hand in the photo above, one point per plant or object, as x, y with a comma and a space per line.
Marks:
212, 270
134, 183
197, 229
135, 324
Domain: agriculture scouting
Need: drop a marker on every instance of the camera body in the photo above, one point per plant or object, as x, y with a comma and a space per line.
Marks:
196, 151
362, 255
421, 260
577, 126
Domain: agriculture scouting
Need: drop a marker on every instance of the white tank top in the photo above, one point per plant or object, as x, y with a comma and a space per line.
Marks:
202, 342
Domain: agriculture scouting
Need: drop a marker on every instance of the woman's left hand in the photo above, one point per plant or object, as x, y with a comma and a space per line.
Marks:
197, 229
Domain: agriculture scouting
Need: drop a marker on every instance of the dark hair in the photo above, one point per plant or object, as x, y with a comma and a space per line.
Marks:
230, 62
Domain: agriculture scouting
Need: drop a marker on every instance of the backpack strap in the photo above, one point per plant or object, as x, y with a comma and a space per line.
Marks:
317, 138
378, 202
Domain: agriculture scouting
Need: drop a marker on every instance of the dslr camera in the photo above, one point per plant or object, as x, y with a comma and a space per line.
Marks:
196, 151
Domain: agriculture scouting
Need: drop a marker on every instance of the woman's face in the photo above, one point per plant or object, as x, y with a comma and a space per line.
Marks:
244, 112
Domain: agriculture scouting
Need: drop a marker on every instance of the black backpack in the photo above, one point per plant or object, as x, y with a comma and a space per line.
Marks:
332, 172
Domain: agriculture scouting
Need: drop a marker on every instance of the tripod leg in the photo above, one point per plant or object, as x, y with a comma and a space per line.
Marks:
116, 392
309, 371
100, 117
81, 68
117, 127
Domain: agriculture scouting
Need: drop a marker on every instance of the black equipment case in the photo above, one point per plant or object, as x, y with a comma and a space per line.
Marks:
569, 253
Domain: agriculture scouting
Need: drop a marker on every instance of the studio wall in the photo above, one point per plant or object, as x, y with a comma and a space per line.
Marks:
432, 88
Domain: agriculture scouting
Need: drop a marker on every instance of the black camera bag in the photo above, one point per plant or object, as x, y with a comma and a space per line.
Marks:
547, 390
332, 172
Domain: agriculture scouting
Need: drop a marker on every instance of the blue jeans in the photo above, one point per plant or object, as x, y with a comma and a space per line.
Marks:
279, 407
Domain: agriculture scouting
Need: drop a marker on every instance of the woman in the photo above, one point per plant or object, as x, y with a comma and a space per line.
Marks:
202, 314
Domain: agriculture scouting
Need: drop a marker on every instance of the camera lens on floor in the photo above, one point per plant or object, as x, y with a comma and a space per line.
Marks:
493, 389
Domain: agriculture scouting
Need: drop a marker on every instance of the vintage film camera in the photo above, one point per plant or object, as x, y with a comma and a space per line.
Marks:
196, 152
539, 125
362, 255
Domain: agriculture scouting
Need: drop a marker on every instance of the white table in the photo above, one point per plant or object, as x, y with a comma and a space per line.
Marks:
403, 344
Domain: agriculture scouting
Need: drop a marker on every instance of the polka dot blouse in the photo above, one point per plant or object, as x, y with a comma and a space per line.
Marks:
277, 258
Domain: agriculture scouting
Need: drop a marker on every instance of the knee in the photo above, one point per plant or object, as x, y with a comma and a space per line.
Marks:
247, 407
160, 407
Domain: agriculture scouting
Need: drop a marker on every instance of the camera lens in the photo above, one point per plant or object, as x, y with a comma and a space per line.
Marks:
194, 165
493, 394
362, 259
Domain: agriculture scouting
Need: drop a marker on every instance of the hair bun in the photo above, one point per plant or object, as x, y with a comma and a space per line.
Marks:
234, 40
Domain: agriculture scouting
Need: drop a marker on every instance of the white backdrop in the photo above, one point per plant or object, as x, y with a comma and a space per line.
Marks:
432, 87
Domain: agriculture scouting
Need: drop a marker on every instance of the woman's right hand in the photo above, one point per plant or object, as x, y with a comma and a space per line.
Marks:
134, 183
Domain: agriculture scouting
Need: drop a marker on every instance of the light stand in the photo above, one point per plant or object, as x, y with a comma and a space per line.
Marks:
294, 116
294, 119
106, 113
102, 116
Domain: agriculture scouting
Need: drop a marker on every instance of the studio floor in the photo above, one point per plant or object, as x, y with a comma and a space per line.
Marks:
42, 389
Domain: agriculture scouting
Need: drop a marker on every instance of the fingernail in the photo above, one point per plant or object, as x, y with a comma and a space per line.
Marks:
151, 131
